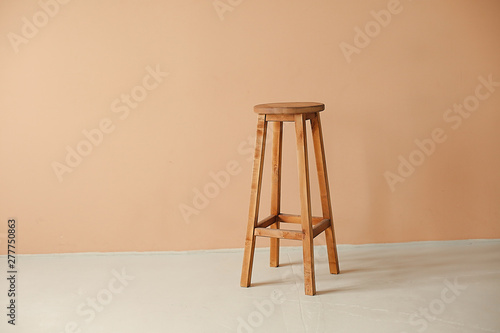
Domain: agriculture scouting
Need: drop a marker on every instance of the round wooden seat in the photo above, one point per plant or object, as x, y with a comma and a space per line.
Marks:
289, 108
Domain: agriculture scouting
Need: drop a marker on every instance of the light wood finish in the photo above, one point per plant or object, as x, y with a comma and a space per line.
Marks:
268, 221
253, 214
276, 190
280, 117
276, 233
289, 108
285, 117
305, 205
320, 227
288, 218
279, 233
311, 226
326, 205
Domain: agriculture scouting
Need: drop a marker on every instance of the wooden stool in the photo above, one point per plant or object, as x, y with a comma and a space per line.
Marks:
277, 113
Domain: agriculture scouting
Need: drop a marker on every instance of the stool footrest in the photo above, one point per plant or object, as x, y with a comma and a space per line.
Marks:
271, 219
320, 227
261, 229
289, 218
279, 233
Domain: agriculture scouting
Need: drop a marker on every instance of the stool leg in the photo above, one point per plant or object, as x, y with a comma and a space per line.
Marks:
276, 189
326, 205
305, 205
253, 214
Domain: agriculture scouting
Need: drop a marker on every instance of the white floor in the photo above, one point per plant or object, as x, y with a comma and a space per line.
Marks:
414, 287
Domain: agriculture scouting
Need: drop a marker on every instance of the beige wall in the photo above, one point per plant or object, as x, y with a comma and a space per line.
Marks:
383, 93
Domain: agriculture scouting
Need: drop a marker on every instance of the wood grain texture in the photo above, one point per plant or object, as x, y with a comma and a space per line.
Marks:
319, 151
253, 214
285, 117
305, 205
276, 189
320, 227
290, 218
289, 108
279, 233
267, 221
